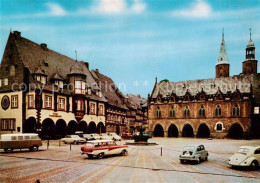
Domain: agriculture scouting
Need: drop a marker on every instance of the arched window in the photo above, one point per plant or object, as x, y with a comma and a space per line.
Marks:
202, 111
186, 111
219, 126
172, 112
218, 110
158, 112
236, 110
12, 70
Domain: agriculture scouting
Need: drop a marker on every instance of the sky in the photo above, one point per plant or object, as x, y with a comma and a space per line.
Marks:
135, 41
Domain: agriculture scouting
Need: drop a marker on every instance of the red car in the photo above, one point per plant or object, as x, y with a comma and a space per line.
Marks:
127, 136
101, 148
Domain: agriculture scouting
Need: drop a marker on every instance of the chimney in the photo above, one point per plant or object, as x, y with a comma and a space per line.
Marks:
17, 34
139, 96
44, 46
87, 64
97, 71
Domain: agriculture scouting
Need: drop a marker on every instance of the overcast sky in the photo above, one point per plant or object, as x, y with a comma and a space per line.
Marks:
133, 41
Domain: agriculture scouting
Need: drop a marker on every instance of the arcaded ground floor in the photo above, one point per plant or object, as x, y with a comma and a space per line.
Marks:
142, 164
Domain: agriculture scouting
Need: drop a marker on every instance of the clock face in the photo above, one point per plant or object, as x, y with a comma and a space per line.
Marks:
5, 102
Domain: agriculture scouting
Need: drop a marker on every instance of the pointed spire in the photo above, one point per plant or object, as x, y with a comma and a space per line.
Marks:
250, 43
76, 55
222, 57
156, 79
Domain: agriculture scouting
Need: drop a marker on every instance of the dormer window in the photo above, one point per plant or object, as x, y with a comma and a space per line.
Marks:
80, 87
6, 81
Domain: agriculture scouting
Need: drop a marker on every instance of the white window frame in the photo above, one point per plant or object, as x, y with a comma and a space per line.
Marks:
61, 104
14, 101
48, 101
30, 101
256, 110
6, 81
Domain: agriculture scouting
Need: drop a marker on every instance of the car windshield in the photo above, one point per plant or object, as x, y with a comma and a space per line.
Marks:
74, 136
188, 148
243, 150
89, 145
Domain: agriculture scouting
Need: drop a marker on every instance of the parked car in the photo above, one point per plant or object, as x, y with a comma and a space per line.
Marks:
144, 134
9, 142
127, 136
79, 133
73, 139
101, 148
88, 137
246, 156
114, 136
194, 153
96, 136
104, 136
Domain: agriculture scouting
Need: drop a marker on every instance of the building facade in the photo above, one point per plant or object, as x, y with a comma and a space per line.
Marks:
221, 107
46, 92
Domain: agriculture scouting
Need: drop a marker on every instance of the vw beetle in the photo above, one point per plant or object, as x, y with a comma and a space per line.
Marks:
246, 156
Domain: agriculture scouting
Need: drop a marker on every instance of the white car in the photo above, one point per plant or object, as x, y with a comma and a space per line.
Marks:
73, 139
104, 136
95, 136
114, 136
246, 156
101, 148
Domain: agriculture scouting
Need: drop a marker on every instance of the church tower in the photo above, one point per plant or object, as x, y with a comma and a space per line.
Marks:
250, 64
222, 65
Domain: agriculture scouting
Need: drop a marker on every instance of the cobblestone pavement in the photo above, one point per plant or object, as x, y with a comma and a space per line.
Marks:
142, 164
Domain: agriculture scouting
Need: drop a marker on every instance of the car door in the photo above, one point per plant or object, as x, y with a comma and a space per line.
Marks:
203, 152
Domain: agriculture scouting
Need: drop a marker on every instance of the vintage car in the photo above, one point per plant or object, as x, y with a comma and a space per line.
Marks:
101, 148
195, 153
96, 136
114, 136
246, 156
9, 142
88, 137
104, 136
70, 139
127, 136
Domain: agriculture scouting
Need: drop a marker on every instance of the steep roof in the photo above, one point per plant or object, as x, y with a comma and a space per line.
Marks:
35, 56
222, 57
209, 86
136, 100
109, 90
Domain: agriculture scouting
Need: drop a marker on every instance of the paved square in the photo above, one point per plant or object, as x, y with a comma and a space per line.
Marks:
142, 164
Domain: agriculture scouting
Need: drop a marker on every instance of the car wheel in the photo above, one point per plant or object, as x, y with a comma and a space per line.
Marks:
123, 153
182, 161
206, 158
100, 155
90, 156
8, 150
199, 160
34, 148
254, 165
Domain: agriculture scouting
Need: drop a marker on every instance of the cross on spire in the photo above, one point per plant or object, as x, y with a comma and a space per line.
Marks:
250, 32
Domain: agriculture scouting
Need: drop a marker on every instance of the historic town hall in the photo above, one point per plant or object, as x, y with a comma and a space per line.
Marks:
220, 107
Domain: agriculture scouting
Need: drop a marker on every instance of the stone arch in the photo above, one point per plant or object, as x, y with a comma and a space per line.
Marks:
158, 131
101, 128
187, 131
30, 125
48, 128
72, 127
235, 131
92, 127
83, 126
203, 131
61, 128
173, 131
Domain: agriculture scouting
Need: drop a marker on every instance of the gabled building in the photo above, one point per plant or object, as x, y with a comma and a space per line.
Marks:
46, 92
116, 109
137, 113
225, 106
